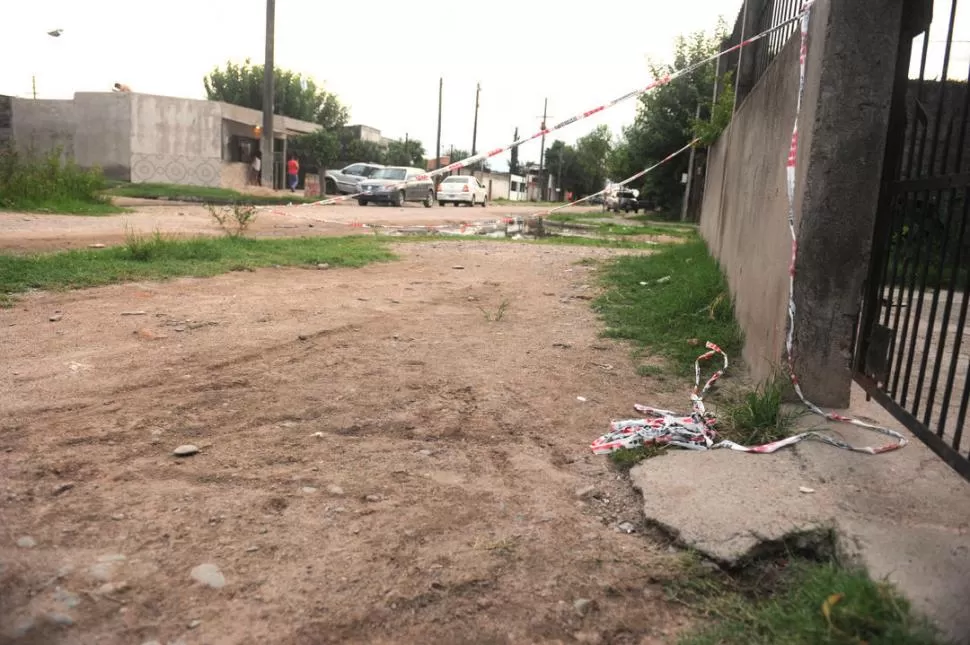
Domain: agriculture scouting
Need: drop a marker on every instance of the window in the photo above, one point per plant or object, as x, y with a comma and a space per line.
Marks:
456, 179
354, 170
368, 171
390, 173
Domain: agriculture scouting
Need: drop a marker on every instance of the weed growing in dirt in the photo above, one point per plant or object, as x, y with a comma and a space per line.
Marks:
666, 302
141, 247
49, 185
233, 219
803, 603
758, 416
498, 314
625, 459
156, 257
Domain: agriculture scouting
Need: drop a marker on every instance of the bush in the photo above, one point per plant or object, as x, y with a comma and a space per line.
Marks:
47, 183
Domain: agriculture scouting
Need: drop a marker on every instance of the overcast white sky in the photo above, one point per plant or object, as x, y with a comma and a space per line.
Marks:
382, 58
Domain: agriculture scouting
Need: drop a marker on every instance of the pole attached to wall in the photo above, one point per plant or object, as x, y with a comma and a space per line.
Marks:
268, 94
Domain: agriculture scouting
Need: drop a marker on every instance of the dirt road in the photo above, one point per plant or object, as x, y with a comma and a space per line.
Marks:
20, 232
393, 454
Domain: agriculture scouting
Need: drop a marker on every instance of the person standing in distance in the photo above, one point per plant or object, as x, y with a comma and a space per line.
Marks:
293, 172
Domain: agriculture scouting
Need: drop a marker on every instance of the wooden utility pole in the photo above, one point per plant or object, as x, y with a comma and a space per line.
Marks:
437, 147
478, 91
542, 152
268, 94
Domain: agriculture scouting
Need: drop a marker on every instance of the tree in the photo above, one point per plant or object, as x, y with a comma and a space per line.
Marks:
296, 96
316, 150
582, 168
354, 150
665, 119
404, 153
514, 161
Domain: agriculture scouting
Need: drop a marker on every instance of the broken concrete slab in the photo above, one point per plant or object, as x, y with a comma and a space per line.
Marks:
904, 515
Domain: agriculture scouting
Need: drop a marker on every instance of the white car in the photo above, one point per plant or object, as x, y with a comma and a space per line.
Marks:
462, 189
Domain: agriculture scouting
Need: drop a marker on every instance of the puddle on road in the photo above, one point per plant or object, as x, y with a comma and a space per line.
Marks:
512, 228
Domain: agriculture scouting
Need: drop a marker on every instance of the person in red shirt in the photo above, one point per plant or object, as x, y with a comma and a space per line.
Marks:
293, 172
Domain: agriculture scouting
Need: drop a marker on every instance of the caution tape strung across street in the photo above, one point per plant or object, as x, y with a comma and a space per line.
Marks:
463, 163
622, 183
696, 431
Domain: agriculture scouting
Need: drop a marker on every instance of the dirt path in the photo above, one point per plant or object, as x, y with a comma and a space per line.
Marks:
379, 462
23, 232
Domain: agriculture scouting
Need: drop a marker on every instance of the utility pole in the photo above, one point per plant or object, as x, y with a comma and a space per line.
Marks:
542, 152
437, 148
406, 141
686, 209
478, 91
268, 94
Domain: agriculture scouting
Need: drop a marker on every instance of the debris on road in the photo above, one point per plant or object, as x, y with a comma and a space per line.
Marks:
186, 450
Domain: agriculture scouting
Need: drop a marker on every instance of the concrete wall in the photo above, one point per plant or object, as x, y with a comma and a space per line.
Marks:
103, 135
175, 140
43, 126
842, 134
744, 212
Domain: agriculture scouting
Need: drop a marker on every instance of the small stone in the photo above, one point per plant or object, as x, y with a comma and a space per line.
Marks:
323, 265
308, 489
117, 517
209, 575
179, 328
583, 606
805, 489
581, 399
101, 246
194, 624
252, 549
626, 527
60, 488
333, 489
113, 587
57, 618
26, 542
186, 450
426, 453
458, 266
68, 599
586, 492
56, 317
134, 313
373, 498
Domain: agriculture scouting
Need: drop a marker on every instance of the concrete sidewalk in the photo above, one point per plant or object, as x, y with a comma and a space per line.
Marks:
905, 515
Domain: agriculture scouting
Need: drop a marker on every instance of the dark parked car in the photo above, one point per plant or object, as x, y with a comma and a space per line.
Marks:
625, 201
396, 185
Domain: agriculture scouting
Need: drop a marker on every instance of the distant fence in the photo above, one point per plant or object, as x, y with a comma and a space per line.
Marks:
750, 63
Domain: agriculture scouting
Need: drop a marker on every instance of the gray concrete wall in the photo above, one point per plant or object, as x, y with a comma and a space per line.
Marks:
851, 66
43, 126
103, 136
744, 212
175, 140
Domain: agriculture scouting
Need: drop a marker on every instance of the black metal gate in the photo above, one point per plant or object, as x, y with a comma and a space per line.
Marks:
914, 350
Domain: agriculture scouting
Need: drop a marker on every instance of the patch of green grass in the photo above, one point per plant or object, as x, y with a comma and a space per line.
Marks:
670, 302
649, 370
596, 221
809, 603
48, 185
625, 459
579, 217
155, 257
758, 416
209, 194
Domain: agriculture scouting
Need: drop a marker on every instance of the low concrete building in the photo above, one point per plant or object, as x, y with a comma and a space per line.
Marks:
147, 138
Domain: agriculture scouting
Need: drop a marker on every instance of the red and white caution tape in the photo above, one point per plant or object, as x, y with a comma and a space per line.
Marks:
697, 430
900, 441
622, 183
463, 163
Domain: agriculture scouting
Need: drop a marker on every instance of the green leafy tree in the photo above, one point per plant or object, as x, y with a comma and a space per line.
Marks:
401, 153
514, 161
316, 150
353, 150
582, 168
665, 119
295, 96
708, 131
